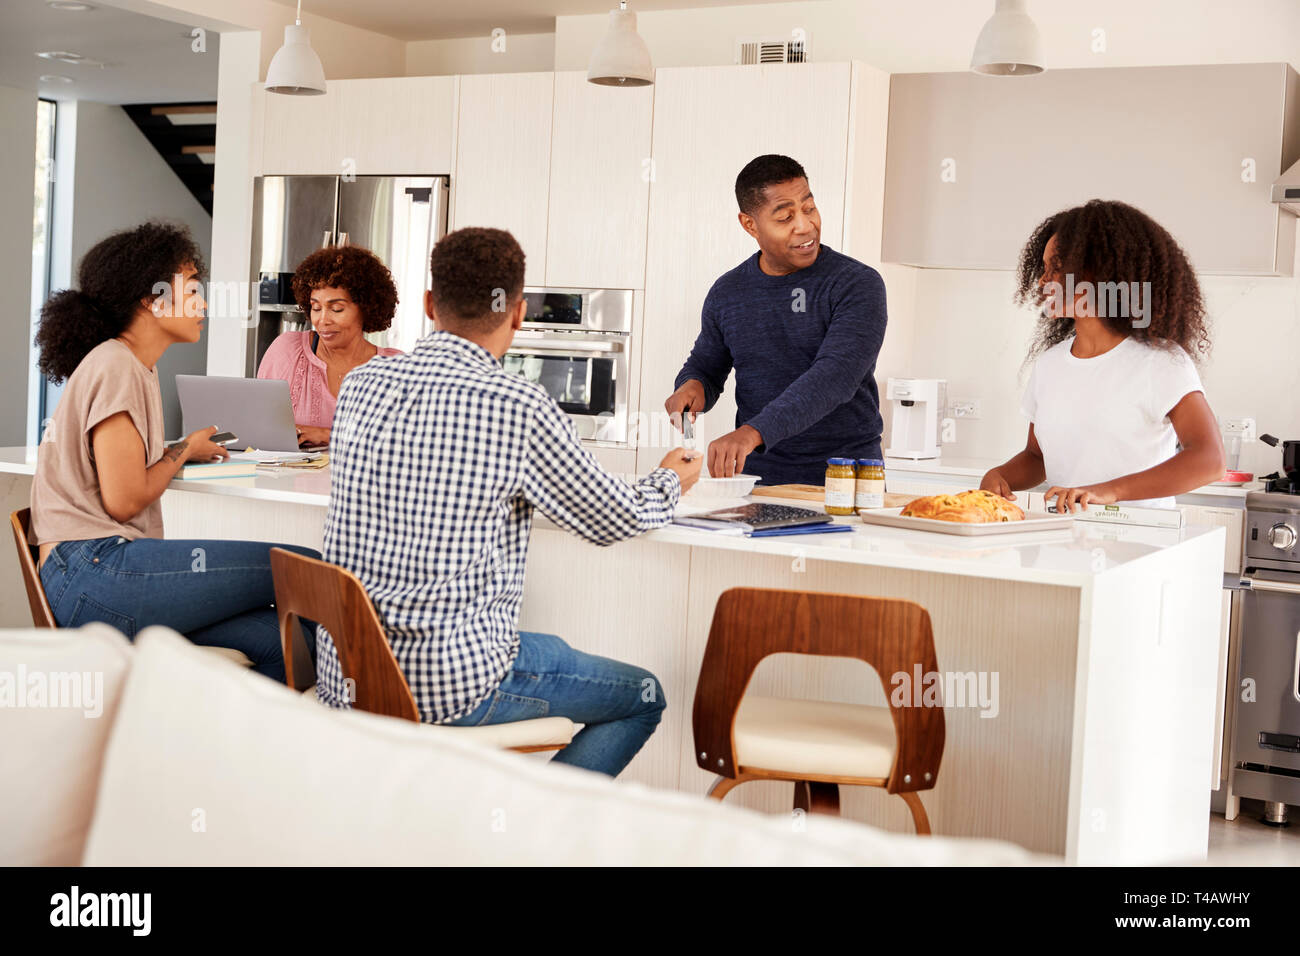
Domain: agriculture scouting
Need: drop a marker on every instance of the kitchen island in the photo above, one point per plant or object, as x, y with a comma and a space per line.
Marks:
1095, 651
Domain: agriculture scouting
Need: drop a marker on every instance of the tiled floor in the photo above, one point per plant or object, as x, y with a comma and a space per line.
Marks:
1248, 842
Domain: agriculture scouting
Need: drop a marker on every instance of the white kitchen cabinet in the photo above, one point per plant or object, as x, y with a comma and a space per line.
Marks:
390, 126
708, 123
1230, 519
599, 184
301, 134
976, 162
503, 160
399, 126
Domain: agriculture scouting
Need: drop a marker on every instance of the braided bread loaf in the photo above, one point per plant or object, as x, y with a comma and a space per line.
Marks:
975, 507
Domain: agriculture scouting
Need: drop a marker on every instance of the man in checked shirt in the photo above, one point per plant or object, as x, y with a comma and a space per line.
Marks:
438, 460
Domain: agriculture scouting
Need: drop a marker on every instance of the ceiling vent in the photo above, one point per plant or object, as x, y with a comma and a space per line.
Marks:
749, 52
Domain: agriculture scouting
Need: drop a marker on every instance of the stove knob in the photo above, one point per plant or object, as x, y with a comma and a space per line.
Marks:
1282, 537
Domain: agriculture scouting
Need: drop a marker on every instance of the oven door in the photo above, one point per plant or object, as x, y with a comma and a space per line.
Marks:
587, 379
1267, 727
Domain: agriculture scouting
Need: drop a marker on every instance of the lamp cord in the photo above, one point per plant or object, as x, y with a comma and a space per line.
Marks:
297, 17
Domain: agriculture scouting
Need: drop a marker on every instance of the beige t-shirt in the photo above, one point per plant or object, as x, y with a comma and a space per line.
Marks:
66, 504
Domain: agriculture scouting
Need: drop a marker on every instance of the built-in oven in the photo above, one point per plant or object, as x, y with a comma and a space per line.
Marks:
575, 343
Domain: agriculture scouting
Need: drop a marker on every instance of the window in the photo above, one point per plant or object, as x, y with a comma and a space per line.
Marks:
43, 209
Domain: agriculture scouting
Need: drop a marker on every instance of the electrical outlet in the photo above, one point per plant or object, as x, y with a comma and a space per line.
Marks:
1243, 428
966, 408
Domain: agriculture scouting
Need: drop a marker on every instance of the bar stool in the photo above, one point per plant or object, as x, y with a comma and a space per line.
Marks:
20, 522
817, 745
337, 600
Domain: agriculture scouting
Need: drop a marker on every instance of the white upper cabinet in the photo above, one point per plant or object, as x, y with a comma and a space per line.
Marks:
369, 127
600, 184
708, 123
976, 162
503, 159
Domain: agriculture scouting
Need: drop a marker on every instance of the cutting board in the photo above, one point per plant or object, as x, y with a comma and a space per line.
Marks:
818, 494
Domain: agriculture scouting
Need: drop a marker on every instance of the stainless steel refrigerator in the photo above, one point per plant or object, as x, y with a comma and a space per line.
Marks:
398, 218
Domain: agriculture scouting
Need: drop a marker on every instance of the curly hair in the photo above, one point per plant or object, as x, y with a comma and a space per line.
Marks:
1105, 241
761, 172
356, 270
117, 275
477, 273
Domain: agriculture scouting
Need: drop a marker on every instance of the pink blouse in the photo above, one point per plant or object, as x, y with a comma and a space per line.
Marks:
290, 358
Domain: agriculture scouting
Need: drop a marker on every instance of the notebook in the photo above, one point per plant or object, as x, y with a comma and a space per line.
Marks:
755, 516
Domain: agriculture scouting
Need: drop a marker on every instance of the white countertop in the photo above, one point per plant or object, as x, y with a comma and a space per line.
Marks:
1068, 557
976, 467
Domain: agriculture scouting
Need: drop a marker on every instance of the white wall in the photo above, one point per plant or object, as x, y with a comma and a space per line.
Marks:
523, 53
120, 181
17, 197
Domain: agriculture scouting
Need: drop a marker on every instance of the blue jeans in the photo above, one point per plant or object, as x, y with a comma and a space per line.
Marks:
216, 593
620, 704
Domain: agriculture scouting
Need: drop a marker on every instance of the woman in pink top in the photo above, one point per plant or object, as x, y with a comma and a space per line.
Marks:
346, 292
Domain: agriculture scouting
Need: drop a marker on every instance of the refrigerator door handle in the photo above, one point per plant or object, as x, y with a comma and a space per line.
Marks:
343, 239
327, 239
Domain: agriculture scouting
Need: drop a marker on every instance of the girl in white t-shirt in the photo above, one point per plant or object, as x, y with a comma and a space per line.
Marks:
1114, 391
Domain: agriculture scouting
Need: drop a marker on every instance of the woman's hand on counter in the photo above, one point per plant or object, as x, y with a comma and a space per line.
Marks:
313, 435
996, 482
1073, 499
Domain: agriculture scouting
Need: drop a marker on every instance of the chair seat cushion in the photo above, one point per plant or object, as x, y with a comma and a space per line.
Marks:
814, 737
542, 732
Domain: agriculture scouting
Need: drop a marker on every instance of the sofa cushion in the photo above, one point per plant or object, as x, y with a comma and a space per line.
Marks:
59, 692
210, 764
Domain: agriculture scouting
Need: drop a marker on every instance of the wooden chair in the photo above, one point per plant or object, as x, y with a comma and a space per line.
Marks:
336, 599
28, 556
817, 745
42, 616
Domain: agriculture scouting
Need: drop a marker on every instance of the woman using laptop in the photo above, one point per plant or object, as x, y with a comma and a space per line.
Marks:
1115, 405
346, 292
102, 466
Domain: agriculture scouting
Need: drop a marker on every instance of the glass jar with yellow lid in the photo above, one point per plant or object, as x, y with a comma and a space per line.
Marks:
870, 485
841, 479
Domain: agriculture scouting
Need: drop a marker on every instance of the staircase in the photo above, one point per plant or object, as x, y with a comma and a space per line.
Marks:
185, 135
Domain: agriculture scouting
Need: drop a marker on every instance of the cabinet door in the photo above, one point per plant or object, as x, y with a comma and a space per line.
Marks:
1230, 519
301, 134
503, 159
399, 126
975, 163
600, 184
708, 123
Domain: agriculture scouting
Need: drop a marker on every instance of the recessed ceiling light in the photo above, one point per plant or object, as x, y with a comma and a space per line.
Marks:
69, 6
66, 56
55, 78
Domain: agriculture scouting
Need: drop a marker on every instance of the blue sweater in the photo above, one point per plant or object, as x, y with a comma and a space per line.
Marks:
804, 348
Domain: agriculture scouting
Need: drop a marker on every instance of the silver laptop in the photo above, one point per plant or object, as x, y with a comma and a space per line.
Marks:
257, 410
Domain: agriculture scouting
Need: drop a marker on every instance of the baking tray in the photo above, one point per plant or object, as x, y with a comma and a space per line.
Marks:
1034, 521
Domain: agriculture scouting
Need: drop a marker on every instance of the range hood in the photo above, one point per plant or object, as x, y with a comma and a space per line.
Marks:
1286, 190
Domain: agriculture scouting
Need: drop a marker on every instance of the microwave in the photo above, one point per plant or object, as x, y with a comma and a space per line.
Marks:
575, 344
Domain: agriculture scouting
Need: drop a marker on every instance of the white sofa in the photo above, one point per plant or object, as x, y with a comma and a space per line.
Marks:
196, 761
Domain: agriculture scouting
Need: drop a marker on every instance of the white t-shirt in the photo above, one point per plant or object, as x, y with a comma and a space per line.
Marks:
1104, 417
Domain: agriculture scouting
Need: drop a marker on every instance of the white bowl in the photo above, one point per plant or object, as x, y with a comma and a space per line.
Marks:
736, 487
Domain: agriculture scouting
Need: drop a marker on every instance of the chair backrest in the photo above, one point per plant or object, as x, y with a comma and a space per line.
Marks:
334, 598
890, 634
20, 522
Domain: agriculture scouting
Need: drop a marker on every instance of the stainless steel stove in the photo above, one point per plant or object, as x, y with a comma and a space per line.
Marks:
1266, 735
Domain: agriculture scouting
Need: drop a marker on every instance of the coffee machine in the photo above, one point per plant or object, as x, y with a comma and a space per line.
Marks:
918, 405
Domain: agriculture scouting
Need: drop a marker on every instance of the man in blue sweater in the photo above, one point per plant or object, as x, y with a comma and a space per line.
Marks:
802, 325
